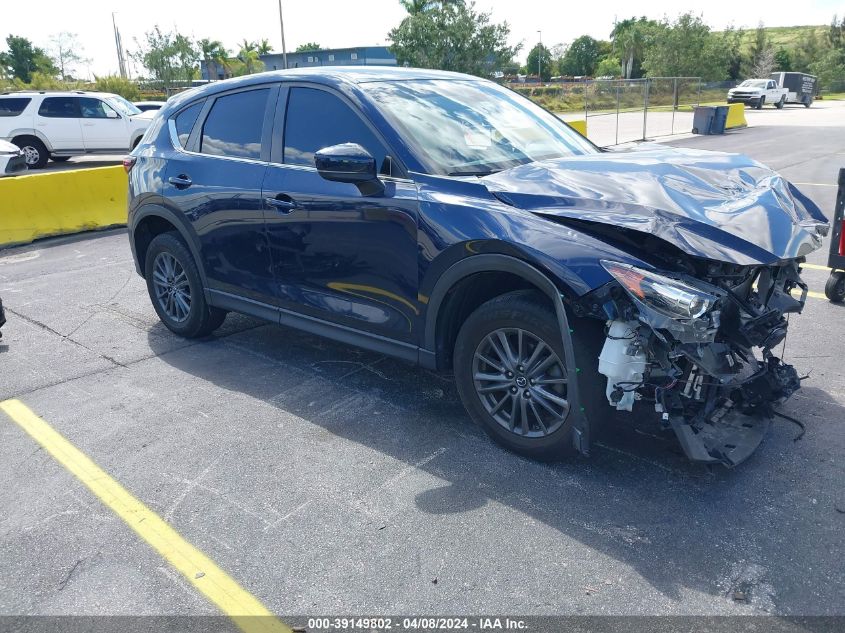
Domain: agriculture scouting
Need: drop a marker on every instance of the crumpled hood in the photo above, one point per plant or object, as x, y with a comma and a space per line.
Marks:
721, 206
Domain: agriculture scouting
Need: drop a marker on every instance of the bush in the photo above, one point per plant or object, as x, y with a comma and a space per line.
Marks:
118, 85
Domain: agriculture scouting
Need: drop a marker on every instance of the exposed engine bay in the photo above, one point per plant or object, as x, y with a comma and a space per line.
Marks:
700, 348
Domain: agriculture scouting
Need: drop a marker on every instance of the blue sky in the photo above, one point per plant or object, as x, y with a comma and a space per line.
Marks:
337, 23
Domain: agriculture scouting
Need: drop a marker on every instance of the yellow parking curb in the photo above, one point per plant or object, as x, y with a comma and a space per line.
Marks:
42, 205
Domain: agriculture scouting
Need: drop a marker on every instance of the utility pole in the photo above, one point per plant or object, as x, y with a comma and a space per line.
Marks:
117, 42
282, 26
539, 58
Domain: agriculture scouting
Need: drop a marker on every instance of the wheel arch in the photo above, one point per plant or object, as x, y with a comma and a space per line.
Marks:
152, 220
31, 132
441, 304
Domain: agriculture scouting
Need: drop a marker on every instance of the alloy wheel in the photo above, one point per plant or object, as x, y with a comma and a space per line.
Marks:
31, 154
521, 382
172, 290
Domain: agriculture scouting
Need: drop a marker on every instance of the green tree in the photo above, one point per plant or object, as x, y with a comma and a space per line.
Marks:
608, 67
629, 39
118, 85
67, 53
264, 47
213, 53
807, 52
248, 58
170, 57
308, 46
829, 67
783, 60
414, 7
732, 45
686, 48
540, 57
760, 54
452, 36
22, 59
581, 57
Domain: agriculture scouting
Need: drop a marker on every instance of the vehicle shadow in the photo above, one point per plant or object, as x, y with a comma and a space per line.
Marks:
680, 526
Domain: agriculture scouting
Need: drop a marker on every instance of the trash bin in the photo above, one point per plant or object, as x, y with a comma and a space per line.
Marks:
720, 119
702, 119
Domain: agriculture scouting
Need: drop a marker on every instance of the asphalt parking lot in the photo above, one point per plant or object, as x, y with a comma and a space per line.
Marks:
328, 480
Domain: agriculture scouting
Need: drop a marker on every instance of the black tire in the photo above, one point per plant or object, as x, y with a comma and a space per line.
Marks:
34, 150
834, 289
808, 102
761, 103
200, 319
529, 312
60, 159
779, 104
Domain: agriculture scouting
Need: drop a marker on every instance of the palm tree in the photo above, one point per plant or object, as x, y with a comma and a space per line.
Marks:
213, 54
264, 47
248, 55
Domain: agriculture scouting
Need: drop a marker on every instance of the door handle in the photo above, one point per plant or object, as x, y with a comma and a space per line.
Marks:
282, 203
181, 181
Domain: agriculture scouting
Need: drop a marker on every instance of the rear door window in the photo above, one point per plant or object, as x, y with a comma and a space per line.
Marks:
60, 108
235, 124
13, 106
317, 119
185, 120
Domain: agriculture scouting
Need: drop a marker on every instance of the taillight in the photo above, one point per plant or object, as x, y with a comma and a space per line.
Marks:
842, 239
129, 163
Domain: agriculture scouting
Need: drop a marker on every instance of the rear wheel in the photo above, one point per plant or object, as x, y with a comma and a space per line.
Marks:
779, 104
834, 289
808, 102
175, 289
34, 151
510, 370
761, 102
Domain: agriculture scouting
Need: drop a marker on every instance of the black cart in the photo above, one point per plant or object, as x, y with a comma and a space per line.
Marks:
835, 287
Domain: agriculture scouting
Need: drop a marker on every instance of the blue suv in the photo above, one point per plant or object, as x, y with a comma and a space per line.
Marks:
445, 220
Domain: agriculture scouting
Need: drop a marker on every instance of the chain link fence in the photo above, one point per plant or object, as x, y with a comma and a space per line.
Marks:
625, 110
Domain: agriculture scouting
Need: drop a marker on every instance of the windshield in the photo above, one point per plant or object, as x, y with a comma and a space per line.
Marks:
474, 128
122, 105
753, 83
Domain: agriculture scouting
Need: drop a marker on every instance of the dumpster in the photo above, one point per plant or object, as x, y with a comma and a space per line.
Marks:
835, 287
702, 119
720, 119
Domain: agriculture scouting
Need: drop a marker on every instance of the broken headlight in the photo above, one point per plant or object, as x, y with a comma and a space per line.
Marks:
670, 297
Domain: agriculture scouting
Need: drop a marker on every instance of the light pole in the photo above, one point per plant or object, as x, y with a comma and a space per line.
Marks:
540, 57
282, 26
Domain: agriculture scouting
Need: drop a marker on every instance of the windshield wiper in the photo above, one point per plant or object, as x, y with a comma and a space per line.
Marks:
476, 172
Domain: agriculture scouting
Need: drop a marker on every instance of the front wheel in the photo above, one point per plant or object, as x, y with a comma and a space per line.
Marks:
511, 373
34, 151
176, 291
834, 289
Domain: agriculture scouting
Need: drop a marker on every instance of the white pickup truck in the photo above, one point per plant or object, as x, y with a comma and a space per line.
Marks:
758, 92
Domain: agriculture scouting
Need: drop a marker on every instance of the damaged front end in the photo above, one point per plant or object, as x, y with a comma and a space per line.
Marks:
700, 349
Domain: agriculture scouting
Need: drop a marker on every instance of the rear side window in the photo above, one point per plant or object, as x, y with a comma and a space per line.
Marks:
13, 106
95, 109
234, 125
60, 108
185, 120
317, 119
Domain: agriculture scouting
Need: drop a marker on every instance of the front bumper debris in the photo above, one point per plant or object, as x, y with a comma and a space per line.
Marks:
714, 380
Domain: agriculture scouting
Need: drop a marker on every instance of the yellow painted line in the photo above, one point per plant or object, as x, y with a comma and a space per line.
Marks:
815, 267
810, 293
248, 614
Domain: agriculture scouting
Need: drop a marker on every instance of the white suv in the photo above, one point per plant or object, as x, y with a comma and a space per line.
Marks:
59, 125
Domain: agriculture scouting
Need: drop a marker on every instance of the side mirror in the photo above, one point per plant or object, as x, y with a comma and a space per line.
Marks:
351, 163
111, 114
